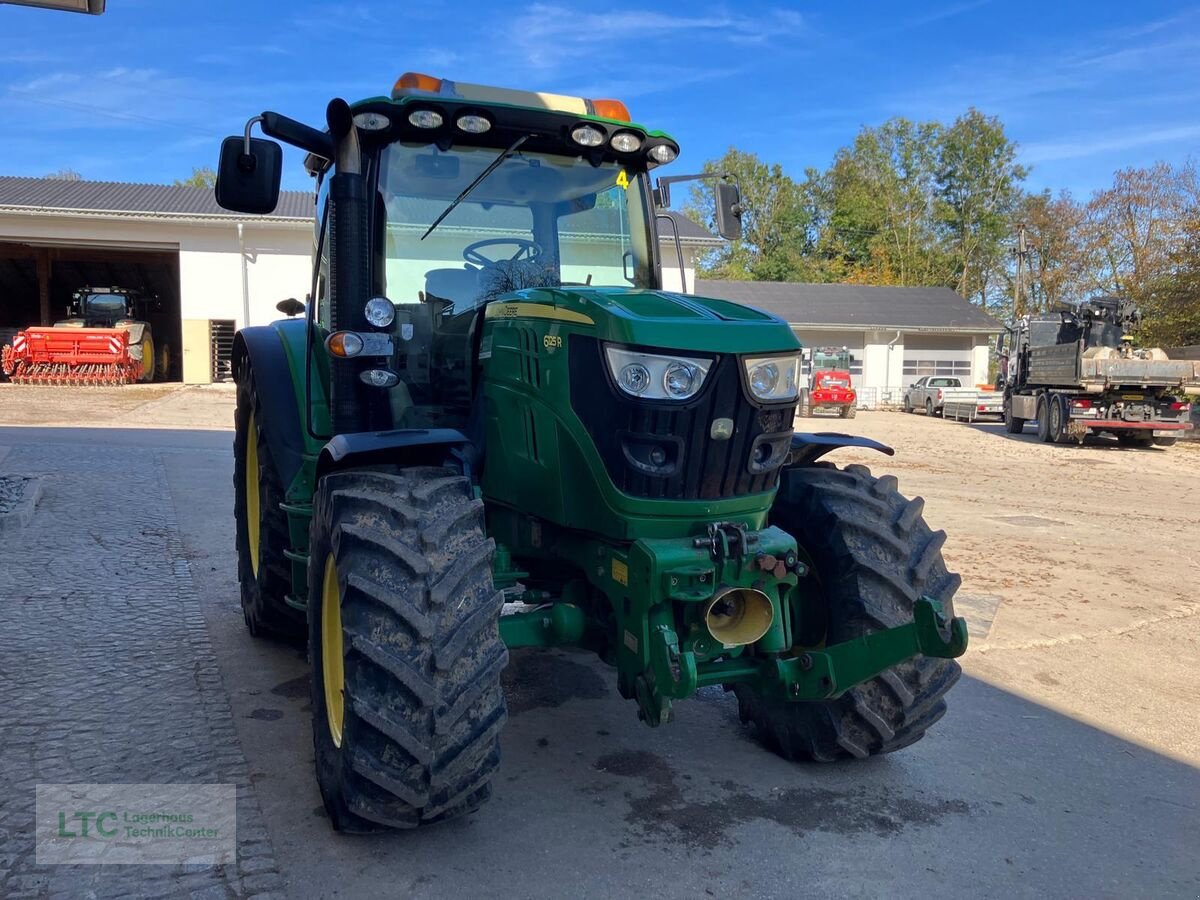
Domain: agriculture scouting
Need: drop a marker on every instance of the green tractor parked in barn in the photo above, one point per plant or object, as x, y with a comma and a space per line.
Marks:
493, 429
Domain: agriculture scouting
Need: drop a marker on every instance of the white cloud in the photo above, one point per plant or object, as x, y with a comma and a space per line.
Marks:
1091, 145
547, 35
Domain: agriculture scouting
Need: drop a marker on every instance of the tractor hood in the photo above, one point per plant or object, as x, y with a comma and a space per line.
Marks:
656, 318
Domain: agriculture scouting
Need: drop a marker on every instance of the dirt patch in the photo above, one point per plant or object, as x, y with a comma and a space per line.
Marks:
669, 815
538, 678
206, 406
295, 689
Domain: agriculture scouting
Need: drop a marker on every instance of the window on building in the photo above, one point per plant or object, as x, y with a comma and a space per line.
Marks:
919, 368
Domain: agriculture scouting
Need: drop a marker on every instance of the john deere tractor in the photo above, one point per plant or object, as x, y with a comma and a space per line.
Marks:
494, 429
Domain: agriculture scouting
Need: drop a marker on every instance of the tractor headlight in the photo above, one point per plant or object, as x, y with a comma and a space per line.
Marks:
774, 378
663, 153
625, 142
380, 312
652, 376
425, 118
587, 136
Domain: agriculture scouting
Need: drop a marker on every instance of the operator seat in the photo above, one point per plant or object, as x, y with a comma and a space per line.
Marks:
459, 286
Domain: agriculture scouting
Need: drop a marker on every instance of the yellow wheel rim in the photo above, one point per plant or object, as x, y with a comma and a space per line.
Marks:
251, 488
147, 358
333, 675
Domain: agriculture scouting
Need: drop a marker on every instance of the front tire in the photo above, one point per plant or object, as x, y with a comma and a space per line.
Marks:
873, 555
405, 645
261, 530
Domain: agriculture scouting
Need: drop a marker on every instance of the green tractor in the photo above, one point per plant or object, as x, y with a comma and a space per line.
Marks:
493, 429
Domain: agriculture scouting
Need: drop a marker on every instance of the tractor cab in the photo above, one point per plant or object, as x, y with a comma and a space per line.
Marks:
465, 194
103, 307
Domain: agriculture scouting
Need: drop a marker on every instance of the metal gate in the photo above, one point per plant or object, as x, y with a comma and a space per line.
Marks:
220, 339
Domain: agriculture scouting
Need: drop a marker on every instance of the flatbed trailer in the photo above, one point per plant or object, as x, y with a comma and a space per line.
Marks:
972, 408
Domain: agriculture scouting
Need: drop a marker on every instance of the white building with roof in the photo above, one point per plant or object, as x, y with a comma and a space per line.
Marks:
895, 335
214, 271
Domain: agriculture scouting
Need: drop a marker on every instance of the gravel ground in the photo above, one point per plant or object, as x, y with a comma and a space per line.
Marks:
12, 489
1068, 765
129, 406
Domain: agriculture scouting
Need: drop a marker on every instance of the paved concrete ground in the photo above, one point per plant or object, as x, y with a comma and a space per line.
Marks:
1066, 766
107, 673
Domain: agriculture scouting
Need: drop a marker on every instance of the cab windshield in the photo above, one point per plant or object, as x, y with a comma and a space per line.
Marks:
537, 220
101, 305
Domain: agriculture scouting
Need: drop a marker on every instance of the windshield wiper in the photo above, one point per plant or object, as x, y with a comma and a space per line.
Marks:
492, 166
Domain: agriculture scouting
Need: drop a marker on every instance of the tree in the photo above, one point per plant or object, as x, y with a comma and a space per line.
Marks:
879, 196
1058, 261
977, 189
774, 222
1157, 244
65, 175
1133, 226
201, 177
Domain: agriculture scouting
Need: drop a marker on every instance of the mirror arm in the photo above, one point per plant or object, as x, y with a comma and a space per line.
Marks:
246, 135
662, 191
297, 134
678, 249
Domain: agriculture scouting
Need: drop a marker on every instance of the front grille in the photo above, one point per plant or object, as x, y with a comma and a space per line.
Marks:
698, 467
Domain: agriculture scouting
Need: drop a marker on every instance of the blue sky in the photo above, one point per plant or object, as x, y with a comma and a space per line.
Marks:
146, 91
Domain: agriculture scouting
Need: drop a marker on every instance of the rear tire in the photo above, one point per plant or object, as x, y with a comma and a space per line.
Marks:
264, 587
162, 364
418, 632
1057, 425
929, 408
1165, 441
1043, 420
873, 556
849, 412
1012, 424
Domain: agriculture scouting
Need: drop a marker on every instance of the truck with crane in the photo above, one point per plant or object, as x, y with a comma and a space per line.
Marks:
1076, 372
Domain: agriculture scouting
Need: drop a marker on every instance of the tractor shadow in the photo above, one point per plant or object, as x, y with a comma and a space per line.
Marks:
702, 798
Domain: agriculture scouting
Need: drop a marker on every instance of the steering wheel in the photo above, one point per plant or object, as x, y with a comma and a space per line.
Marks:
527, 251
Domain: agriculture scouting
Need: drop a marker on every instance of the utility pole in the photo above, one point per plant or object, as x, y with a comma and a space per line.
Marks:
1019, 298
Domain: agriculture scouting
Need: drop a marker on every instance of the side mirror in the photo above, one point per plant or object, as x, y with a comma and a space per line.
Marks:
729, 211
290, 307
999, 343
248, 175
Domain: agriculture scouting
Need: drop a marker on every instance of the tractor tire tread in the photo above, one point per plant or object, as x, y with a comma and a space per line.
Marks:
263, 597
871, 583
423, 654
